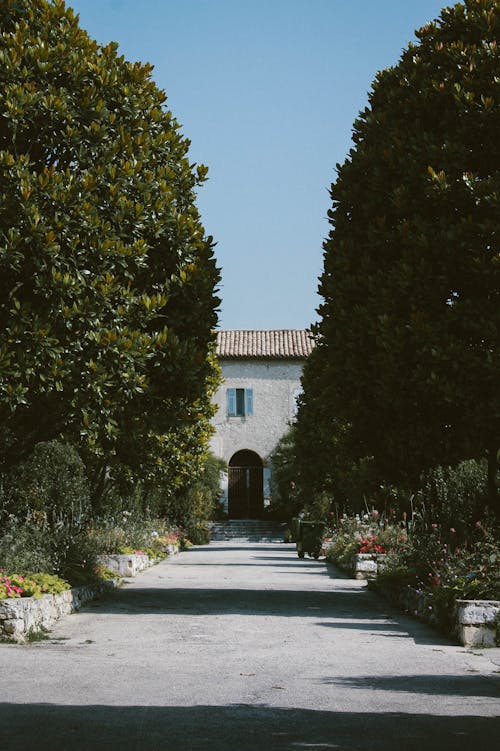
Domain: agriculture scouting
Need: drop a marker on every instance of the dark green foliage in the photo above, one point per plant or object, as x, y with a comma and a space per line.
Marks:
410, 325
285, 502
193, 506
454, 497
51, 483
327, 455
107, 279
45, 511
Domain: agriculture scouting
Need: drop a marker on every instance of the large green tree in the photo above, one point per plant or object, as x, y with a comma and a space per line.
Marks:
410, 323
107, 278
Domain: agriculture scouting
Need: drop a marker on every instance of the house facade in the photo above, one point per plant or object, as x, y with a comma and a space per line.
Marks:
256, 404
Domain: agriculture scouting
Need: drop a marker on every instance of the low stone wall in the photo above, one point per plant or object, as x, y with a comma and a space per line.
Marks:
126, 564
367, 565
478, 623
474, 623
363, 565
20, 617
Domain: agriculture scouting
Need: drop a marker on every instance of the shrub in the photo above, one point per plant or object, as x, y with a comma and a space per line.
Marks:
52, 481
191, 508
453, 497
46, 509
127, 534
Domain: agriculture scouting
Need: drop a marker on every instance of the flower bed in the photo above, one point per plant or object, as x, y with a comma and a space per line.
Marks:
447, 580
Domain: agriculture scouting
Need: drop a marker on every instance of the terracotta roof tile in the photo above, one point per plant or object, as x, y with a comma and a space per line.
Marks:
268, 343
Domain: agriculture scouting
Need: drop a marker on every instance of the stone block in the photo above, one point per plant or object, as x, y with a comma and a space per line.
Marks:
477, 636
476, 612
366, 565
125, 565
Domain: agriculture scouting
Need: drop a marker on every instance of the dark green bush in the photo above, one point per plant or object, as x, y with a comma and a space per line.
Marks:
197, 503
453, 497
44, 515
52, 481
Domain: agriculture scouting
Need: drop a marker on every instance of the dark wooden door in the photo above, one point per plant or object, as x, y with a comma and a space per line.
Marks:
246, 492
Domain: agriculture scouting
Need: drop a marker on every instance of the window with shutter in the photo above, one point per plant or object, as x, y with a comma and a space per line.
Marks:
231, 402
239, 402
249, 401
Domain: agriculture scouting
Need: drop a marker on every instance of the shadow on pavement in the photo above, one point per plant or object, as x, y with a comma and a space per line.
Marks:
448, 685
220, 601
226, 728
349, 608
247, 546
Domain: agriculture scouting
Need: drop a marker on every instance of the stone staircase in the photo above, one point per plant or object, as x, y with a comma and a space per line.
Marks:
247, 530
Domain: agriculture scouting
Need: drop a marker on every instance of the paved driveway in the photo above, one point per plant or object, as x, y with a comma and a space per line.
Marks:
245, 647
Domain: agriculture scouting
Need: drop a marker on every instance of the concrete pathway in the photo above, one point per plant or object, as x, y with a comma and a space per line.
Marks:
245, 647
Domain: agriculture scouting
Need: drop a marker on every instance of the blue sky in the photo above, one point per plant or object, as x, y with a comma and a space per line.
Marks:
267, 92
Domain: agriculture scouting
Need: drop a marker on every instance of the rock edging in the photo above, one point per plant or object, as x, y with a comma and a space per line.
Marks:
362, 565
20, 617
474, 623
126, 564
23, 616
478, 622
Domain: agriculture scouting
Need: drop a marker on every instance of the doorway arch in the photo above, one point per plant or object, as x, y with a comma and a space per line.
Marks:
245, 485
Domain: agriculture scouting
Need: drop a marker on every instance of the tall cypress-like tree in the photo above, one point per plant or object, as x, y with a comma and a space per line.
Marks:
410, 323
107, 278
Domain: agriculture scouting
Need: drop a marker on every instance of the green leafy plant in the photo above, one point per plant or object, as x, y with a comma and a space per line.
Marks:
407, 355
30, 585
107, 278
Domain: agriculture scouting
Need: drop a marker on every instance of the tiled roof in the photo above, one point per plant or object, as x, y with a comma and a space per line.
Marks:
268, 343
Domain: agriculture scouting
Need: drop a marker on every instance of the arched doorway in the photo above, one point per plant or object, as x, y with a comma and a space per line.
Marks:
245, 486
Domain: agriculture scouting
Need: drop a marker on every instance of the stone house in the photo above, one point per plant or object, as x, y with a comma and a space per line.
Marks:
256, 404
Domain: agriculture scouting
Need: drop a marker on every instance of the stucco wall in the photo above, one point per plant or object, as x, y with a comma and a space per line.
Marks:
274, 383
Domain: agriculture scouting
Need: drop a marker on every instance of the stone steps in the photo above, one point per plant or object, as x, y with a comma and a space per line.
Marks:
247, 530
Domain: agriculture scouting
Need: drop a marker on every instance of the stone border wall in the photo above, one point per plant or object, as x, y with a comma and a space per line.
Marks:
474, 623
478, 623
363, 565
20, 617
126, 564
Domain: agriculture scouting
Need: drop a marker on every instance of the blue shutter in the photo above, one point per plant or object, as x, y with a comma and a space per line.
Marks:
231, 402
249, 401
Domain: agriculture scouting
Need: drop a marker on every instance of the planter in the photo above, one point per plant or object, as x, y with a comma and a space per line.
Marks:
23, 616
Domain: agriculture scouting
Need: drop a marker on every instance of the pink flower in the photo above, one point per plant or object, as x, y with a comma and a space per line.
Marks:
453, 530
434, 526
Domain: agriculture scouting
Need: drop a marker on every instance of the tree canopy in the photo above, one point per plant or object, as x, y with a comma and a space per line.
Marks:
410, 323
107, 278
